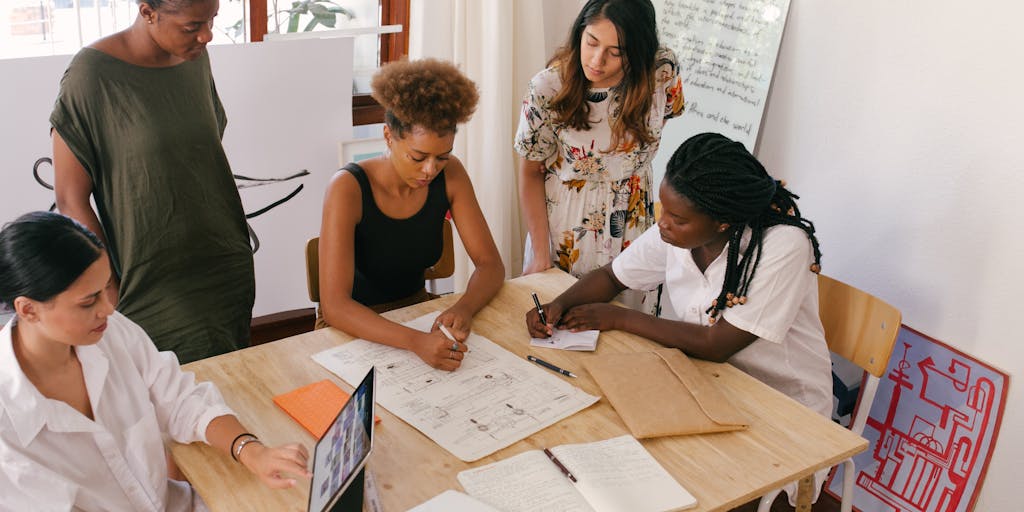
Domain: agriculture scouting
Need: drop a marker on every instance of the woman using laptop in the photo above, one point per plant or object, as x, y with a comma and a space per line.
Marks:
86, 399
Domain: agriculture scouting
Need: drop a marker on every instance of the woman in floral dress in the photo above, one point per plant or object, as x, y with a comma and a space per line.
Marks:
590, 126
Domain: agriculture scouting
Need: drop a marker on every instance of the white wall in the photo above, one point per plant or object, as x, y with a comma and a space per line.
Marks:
899, 124
558, 16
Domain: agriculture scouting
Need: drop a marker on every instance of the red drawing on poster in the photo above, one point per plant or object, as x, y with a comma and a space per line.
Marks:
932, 428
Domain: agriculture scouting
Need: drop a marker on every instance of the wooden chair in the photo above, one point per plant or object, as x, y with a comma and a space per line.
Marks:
861, 328
444, 267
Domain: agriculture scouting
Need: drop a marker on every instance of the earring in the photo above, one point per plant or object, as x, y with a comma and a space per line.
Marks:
149, 20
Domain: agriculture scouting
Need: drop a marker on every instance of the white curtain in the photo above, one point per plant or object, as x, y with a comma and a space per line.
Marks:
499, 44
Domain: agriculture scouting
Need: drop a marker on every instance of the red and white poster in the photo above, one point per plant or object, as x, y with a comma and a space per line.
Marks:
932, 428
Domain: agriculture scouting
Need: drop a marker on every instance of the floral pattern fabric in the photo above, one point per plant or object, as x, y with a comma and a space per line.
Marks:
598, 201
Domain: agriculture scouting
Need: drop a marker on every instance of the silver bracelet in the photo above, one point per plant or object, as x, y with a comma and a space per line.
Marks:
242, 443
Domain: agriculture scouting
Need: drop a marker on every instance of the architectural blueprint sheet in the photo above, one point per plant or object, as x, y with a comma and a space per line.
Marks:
493, 400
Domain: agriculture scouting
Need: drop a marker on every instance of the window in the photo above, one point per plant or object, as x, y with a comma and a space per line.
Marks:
35, 28
283, 16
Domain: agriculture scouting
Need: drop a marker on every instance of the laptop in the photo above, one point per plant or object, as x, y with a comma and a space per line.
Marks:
344, 448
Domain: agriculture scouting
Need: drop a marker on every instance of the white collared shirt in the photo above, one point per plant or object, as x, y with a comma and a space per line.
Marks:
790, 353
54, 458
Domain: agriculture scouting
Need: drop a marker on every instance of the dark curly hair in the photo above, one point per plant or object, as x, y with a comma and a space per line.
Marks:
428, 93
167, 5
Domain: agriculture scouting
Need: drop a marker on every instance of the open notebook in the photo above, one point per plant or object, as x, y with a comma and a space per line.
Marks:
611, 476
564, 339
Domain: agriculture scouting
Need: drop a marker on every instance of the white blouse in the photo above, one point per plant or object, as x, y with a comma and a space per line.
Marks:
54, 458
790, 353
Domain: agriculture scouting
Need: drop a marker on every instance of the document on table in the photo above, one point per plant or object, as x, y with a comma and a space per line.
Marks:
493, 400
453, 501
612, 475
564, 339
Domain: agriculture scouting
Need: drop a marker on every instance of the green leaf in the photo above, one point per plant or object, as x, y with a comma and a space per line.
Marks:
330, 22
320, 11
337, 9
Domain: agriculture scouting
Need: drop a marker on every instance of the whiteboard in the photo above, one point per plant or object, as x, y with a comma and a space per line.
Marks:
288, 104
727, 51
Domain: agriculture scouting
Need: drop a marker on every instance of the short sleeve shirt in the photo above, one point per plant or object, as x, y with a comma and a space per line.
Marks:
790, 353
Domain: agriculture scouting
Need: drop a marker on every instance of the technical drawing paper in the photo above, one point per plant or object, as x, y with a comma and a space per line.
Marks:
493, 400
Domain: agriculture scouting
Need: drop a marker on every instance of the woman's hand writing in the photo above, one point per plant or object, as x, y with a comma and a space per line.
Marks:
552, 313
600, 316
435, 349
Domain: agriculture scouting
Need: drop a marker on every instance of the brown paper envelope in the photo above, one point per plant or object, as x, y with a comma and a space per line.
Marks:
662, 393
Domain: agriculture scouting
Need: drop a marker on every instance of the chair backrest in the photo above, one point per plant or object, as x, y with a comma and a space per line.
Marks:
313, 269
858, 326
444, 267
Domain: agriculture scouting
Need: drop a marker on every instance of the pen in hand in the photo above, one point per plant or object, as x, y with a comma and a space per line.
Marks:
448, 334
540, 310
558, 463
550, 366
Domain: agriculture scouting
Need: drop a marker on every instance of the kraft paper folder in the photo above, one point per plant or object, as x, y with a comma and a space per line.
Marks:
662, 393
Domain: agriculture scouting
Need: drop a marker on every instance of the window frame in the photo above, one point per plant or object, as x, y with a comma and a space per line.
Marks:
365, 110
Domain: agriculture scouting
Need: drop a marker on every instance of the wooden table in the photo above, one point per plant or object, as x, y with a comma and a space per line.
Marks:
785, 441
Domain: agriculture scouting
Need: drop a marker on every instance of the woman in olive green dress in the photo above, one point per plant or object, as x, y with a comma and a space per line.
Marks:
137, 127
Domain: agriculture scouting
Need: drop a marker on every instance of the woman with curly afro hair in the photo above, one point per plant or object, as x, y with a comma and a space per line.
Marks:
383, 217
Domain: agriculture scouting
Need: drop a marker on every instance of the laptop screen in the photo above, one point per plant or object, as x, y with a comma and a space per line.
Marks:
344, 448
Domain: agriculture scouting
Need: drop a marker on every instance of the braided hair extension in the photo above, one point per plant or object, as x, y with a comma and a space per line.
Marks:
727, 183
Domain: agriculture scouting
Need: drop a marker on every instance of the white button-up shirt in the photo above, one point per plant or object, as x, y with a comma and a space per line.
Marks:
790, 353
54, 458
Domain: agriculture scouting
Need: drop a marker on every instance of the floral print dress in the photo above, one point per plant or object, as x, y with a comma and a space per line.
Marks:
598, 201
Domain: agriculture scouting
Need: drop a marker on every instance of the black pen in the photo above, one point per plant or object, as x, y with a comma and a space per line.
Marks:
558, 463
540, 310
550, 366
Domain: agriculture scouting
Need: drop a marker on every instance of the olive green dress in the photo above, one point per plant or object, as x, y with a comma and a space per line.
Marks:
150, 139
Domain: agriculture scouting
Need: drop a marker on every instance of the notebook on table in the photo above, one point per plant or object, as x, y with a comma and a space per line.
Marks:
611, 476
564, 339
344, 448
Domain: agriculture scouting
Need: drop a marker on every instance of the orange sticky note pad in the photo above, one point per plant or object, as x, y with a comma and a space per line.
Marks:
315, 406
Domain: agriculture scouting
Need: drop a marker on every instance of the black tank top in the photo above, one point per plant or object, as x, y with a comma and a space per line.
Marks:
391, 254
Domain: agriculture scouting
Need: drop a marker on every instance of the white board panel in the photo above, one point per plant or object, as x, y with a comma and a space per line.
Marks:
727, 51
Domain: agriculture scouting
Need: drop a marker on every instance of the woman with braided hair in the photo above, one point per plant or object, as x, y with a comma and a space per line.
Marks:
739, 266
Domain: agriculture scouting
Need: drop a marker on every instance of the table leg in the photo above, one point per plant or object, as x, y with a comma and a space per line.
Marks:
804, 493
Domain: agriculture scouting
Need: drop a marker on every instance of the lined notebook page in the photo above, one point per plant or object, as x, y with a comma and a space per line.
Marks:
523, 483
620, 474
